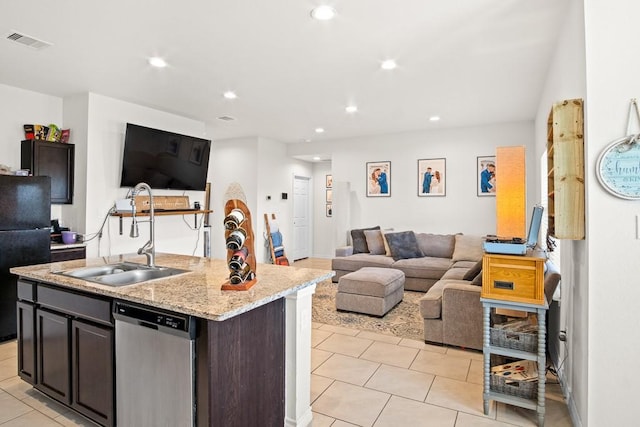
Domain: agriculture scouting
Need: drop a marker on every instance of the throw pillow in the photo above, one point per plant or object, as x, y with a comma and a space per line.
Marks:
358, 240
473, 271
468, 248
375, 243
403, 245
387, 250
436, 245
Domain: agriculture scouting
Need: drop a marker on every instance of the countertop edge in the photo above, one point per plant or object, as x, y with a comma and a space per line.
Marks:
191, 296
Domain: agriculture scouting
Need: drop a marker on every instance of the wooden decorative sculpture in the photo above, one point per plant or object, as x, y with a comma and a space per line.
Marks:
241, 257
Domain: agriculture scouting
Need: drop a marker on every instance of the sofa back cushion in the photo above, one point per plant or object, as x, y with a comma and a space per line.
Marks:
359, 242
375, 242
403, 245
468, 248
436, 245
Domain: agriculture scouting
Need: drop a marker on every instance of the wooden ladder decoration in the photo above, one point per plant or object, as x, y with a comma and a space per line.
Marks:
282, 258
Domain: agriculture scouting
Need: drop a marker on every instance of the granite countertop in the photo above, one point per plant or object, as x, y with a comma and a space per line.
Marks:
197, 292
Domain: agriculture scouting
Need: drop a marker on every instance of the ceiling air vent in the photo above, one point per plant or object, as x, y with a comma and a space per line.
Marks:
226, 118
28, 40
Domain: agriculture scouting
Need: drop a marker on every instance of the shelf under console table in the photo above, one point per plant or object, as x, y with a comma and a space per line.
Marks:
195, 214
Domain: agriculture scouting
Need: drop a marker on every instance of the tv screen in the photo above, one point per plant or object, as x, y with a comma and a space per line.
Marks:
164, 159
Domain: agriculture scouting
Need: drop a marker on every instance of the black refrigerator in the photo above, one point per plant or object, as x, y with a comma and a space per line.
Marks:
25, 237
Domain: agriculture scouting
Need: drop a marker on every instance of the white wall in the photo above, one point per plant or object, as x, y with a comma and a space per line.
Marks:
567, 80
275, 176
232, 161
19, 107
76, 115
460, 211
324, 239
613, 268
107, 119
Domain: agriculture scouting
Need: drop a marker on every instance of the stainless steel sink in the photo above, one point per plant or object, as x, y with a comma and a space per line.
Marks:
122, 274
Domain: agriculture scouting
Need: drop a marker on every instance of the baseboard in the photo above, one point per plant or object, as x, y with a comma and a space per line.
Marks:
571, 404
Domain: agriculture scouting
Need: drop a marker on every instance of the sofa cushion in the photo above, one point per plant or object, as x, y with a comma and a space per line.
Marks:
403, 245
468, 248
375, 242
357, 261
424, 267
372, 281
358, 240
436, 245
473, 271
455, 273
463, 264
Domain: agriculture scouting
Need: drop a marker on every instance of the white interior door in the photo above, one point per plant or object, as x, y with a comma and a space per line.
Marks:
301, 233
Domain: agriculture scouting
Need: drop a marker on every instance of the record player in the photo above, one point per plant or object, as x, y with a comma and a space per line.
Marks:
516, 245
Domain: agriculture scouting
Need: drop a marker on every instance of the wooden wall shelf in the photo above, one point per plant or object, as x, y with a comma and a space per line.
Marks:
121, 215
565, 170
162, 213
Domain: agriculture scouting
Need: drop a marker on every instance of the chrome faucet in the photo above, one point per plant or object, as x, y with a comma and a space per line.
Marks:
149, 249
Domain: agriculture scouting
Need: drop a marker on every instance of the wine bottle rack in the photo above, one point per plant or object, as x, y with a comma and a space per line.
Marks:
248, 243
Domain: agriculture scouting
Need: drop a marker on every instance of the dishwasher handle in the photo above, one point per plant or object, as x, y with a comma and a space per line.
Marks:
148, 325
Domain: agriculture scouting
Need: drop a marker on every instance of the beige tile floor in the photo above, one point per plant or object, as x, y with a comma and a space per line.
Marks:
358, 378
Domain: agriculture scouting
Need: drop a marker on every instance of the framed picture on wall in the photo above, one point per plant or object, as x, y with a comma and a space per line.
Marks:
329, 181
329, 209
432, 177
329, 195
486, 176
378, 179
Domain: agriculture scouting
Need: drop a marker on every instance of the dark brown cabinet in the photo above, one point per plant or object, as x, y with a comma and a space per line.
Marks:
53, 159
27, 342
66, 348
52, 370
92, 370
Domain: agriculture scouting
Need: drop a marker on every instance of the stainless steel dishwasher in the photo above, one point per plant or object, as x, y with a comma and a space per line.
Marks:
155, 367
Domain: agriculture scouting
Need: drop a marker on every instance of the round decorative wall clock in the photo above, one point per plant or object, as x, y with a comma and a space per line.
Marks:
618, 167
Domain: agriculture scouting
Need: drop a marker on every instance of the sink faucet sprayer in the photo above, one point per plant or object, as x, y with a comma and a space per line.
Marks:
149, 249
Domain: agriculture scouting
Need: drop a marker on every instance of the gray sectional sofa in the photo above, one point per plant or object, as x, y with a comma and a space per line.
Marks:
446, 268
423, 265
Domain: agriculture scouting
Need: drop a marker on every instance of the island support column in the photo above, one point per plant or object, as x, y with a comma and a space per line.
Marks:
298, 358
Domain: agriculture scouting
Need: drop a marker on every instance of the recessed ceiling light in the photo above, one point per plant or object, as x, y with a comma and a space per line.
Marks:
434, 118
230, 95
323, 13
389, 64
156, 61
316, 158
351, 109
319, 130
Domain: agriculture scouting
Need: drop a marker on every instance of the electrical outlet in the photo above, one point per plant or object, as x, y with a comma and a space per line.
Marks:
562, 336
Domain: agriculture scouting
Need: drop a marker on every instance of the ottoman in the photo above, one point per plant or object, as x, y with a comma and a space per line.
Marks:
370, 290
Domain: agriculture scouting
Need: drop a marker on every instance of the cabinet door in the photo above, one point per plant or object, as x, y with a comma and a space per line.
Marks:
52, 351
26, 342
55, 160
92, 371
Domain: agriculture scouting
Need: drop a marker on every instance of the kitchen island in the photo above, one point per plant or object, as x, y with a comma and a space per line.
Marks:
248, 344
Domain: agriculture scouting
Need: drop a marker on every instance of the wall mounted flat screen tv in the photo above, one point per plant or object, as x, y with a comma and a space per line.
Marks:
164, 159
